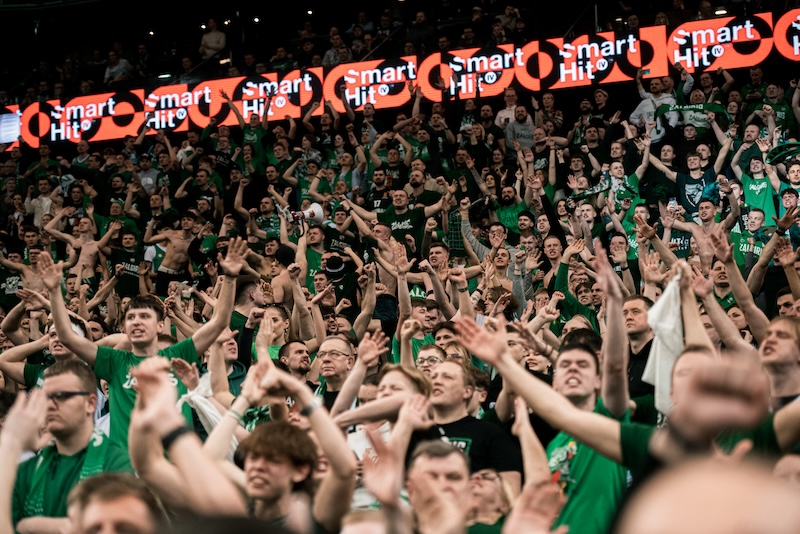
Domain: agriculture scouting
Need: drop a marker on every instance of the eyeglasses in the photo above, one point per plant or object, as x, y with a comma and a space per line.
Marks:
334, 354
433, 360
60, 396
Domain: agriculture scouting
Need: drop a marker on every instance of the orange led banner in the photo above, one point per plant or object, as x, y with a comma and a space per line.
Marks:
551, 64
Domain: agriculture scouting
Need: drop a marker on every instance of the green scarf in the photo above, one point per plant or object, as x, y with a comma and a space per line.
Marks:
602, 186
92, 465
781, 153
255, 416
708, 106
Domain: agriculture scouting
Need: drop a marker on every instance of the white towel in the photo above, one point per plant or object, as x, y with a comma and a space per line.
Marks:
665, 320
206, 411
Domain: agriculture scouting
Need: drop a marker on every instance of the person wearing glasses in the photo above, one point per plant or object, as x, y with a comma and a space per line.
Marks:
78, 450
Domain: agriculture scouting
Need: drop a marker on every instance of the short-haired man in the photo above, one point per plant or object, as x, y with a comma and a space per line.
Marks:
114, 503
78, 451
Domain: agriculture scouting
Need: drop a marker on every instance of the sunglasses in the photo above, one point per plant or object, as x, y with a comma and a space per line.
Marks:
60, 396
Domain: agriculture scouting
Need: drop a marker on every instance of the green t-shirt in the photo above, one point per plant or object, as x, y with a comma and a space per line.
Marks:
314, 260
741, 248
635, 440
509, 215
63, 476
593, 484
416, 344
758, 193
237, 321
113, 366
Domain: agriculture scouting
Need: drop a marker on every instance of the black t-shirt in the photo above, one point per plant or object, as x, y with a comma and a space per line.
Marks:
636, 365
396, 175
486, 445
128, 284
377, 201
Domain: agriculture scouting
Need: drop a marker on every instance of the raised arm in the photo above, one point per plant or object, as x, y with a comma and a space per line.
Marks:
615, 345
598, 432
756, 318
51, 274
233, 108
50, 227
231, 266
655, 162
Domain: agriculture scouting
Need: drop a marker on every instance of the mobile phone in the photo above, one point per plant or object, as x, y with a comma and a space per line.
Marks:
673, 204
645, 71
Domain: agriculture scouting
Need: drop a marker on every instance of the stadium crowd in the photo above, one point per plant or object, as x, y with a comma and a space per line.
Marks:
479, 315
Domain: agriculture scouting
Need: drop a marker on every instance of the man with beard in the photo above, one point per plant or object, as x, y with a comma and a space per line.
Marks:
493, 134
511, 206
418, 195
294, 355
520, 129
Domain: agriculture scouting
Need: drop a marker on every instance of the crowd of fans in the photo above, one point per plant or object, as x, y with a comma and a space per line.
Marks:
464, 316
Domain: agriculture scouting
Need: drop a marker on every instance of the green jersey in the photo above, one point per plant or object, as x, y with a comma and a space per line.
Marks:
314, 260
758, 193
593, 484
416, 344
61, 474
114, 366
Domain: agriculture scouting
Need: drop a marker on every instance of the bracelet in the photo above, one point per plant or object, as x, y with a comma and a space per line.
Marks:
624, 268
173, 436
232, 413
306, 410
463, 289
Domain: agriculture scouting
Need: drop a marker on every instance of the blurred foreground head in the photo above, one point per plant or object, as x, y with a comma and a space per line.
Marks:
712, 497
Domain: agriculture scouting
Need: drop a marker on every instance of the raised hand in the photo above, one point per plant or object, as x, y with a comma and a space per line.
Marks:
235, 258
24, 421
487, 346
328, 291
652, 272
294, 271
606, 277
701, 285
372, 347
722, 249
186, 373
788, 219
647, 231
536, 509
784, 253
156, 397
410, 328
574, 249
50, 273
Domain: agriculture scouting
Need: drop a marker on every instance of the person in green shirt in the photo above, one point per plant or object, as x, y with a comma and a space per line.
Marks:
78, 450
761, 183
593, 484
143, 321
